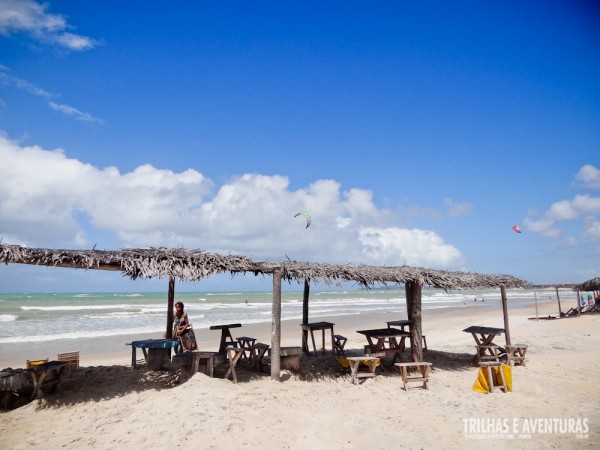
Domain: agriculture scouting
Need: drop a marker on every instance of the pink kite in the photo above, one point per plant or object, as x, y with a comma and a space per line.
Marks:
517, 229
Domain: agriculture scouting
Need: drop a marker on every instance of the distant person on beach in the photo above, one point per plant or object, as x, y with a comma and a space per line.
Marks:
180, 324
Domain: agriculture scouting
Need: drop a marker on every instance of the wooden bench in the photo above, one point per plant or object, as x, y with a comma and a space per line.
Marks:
194, 361
257, 353
339, 342
515, 354
46, 375
489, 366
422, 375
355, 361
71, 358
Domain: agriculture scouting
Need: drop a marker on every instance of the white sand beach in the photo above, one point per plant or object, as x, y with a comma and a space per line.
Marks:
106, 404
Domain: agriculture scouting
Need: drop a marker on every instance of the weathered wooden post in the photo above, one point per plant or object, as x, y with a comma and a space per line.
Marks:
505, 312
413, 306
305, 314
170, 303
560, 314
276, 327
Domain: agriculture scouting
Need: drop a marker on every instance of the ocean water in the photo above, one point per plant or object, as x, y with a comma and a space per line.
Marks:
44, 318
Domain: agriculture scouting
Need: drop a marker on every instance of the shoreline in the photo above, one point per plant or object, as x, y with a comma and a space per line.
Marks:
113, 350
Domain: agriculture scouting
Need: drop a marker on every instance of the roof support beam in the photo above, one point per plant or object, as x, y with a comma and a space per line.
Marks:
413, 306
276, 327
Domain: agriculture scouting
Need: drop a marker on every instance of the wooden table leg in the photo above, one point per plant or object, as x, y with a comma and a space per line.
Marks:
233, 354
312, 335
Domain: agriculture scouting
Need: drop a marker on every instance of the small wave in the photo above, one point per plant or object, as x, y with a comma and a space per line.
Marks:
224, 294
7, 317
79, 335
86, 307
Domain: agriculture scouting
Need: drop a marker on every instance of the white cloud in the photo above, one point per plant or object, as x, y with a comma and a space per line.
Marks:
23, 85
457, 209
9, 80
73, 112
581, 205
48, 199
589, 176
583, 210
30, 17
413, 247
592, 229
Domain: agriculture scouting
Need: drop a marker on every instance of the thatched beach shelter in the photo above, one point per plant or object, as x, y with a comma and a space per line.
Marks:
193, 265
589, 285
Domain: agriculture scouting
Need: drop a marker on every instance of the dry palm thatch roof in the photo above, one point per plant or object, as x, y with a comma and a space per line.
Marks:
589, 285
178, 263
193, 265
369, 275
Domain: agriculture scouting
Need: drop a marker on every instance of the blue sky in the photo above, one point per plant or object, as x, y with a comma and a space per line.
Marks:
413, 134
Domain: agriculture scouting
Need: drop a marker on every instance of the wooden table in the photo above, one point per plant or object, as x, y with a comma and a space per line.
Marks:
486, 350
399, 323
316, 326
158, 346
47, 374
226, 337
383, 341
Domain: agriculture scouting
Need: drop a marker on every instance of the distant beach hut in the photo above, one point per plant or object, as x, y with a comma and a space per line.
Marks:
589, 285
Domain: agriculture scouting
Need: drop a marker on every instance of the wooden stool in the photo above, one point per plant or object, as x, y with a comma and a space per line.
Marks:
488, 365
339, 342
233, 355
355, 361
423, 376
290, 358
206, 363
515, 354
424, 343
245, 343
257, 353
487, 353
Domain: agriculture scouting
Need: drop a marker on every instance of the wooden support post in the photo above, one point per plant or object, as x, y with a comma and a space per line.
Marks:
170, 304
505, 313
413, 304
276, 327
560, 314
305, 314
578, 303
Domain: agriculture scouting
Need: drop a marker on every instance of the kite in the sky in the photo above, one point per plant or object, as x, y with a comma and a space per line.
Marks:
308, 218
517, 229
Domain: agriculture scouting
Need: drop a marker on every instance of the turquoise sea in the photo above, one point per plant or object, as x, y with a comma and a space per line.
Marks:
47, 322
